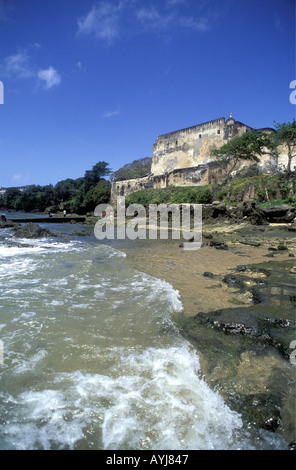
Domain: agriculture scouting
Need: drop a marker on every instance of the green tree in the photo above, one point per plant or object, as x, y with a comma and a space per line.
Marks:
97, 194
65, 190
245, 147
98, 171
286, 135
11, 198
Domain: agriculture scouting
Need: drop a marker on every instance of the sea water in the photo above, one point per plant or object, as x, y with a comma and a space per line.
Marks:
91, 358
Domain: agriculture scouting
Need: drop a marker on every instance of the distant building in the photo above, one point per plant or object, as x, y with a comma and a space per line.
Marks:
20, 188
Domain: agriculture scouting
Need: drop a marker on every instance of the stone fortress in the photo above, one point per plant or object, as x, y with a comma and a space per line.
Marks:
183, 158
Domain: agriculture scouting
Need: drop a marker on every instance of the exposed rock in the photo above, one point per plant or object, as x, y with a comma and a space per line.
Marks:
292, 227
251, 243
280, 214
84, 233
262, 320
31, 230
8, 224
18, 245
248, 212
208, 274
219, 245
260, 409
254, 214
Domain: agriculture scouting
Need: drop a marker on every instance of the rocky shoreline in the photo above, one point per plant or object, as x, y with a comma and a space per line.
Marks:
238, 292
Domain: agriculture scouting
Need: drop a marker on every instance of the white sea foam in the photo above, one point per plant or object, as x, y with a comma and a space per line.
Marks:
151, 400
133, 388
165, 405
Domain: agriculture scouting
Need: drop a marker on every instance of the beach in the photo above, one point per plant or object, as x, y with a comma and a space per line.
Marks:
241, 330
140, 344
187, 270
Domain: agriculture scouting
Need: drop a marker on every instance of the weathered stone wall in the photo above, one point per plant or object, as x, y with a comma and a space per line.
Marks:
191, 147
126, 187
183, 158
200, 175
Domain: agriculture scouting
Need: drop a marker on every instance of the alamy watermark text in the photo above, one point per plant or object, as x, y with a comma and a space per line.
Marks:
1, 93
293, 93
137, 222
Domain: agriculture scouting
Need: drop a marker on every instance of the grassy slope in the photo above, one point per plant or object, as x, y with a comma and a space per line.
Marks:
264, 189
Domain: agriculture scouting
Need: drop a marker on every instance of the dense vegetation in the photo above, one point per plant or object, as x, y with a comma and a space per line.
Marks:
262, 188
77, 196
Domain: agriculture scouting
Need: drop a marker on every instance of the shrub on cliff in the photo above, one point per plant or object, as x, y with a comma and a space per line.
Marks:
245, 147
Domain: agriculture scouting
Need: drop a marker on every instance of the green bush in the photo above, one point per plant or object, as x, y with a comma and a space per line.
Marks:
171, 195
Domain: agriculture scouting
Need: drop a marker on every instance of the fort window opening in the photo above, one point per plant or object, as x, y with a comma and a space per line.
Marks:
200, 136
218, 131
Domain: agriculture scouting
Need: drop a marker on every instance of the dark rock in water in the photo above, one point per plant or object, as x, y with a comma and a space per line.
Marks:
32, 230
8, 224
19, 245
84, 233
262, 409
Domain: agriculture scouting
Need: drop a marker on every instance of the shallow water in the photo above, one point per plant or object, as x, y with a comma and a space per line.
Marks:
93, 360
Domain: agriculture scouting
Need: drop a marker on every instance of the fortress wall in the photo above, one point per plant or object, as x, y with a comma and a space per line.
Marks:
192, 146
126, 187
182, 158
187, 147
194, 176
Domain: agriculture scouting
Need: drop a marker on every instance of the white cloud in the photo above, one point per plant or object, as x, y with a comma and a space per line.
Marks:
102, 21
17, 66
108, 21
200, 25
21, 178
17, 177
152, 18
50, 77
110, 114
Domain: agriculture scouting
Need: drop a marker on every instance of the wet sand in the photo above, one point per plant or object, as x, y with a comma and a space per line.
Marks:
184, 269
253, 377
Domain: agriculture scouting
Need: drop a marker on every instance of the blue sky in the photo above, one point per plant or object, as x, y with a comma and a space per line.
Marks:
88, 80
